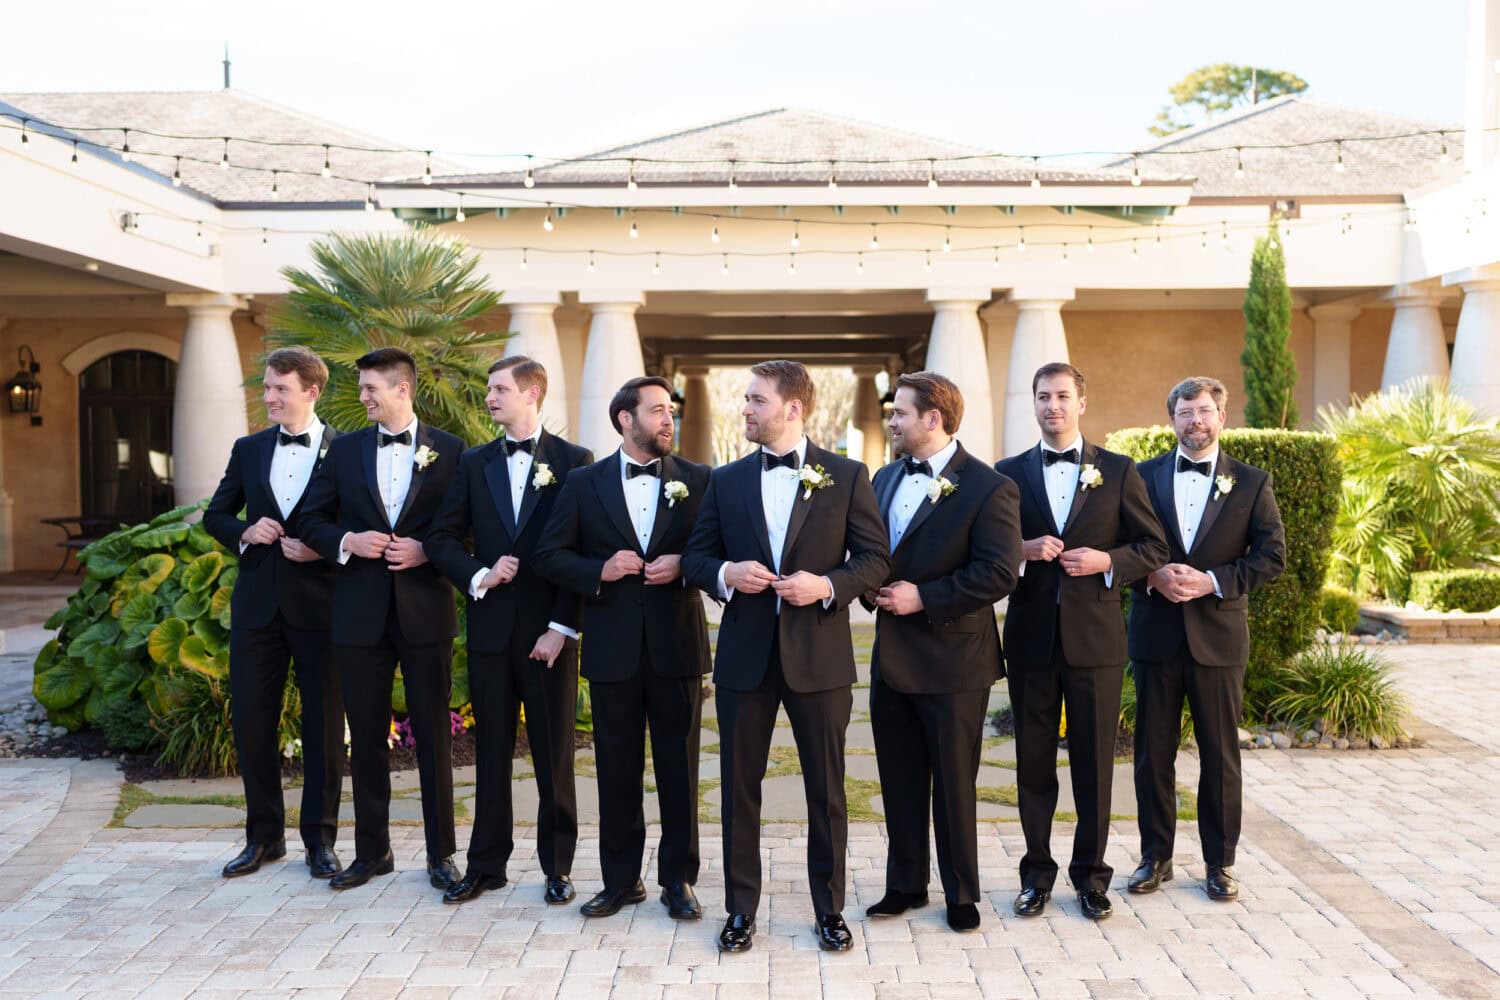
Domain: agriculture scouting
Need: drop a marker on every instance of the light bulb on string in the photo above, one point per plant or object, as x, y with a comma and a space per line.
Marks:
327, 170
1064, 257
947, 239
635, 233
1021, 240
1036, 171
24, 137
733, 184
927, 263
199, 233
275, 187
791, 264
1135, 173
796, 234
1338, 164
176, 172
265, 239
656, 267
524, 262
859, 263
1091, 240
996, 265
125, 148
1224, 234
1156, 231
1135, 248
224, 159
591, 262
630, 184
370, 197
874, 237
1203, 246
547, 220
459, 216
75, 150
833, 175
427, 169
528, 181
1411, 220
1239, 164
1443, 156
724, 269
713, 237
932, 182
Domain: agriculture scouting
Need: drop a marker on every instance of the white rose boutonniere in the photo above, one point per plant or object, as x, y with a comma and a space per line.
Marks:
424, 457
674, 490
1223, 484
813, 477
322, 453
1089, 477
542, 476
939, 488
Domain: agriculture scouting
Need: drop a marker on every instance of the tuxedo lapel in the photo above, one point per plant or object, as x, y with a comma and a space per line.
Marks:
1038, 486
418, 474
329, 434
664, 512
1164, 491
497, 476
367, 456
953, 473
801, 508
1215, 503
755, 507
888, 494
268, 452
531, 496
612, 495
1089, 455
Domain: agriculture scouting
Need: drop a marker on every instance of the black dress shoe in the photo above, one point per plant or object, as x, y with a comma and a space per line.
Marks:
1149, 875
1221, 883
559, 890
1031, 902
680, 901
738, 933
471, 885
249, 860
322, 862
608, 902
963, 916
833, 933
1095, 904
362, 871
895, 902
442, 872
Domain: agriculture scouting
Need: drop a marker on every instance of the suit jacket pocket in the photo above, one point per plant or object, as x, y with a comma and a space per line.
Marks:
968, 623
1109, 593
1240, 604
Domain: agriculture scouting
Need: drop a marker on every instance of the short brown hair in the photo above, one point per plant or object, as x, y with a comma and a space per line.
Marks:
390, 361
1054, 368
931, 391
792, 381
628, 397
526, 371
1195, 386
310, 369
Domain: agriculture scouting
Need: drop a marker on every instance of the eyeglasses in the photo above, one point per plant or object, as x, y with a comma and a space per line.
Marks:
1202, 413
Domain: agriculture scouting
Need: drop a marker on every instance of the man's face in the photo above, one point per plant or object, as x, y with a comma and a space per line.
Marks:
1058, 405
288, 404
649, 426
506, 400
382, 395
911, 431
1197, 422
765, 412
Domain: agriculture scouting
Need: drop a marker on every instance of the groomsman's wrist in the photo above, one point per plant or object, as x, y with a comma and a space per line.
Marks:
344, 552
832, 594
1215, 581
725, 590
555, 627
477, 591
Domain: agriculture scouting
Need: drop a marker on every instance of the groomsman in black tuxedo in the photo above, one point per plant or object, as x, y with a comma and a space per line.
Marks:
1088, 531
523, 629
1190, 632
370, 508
279, 613
788, 537
955, 531
615, 537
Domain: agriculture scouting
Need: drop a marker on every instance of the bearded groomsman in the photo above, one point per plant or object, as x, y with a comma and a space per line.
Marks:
523, 638
279, 614
1190, 632
615, 538
955, 532
370, 508
788, 537
1088, 531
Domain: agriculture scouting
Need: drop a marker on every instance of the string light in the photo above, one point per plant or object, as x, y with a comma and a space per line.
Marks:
996, 265
1239, 163
591, 262
713, 237
524, 263
1203, 246
75, 150
275, 189
796, 234
1135, 248
1021, 240
370, 198
932, 175
733, 184
528, 181
265, 239
1091, 239
947, 239
1338, 164
24, 137
1224, 234
198, 235
725, 268
125, 148
1135, 173
427, 169
1064, 258
176, 171
224, 160
791, 263
634, 232
327, 170
859, 263
459, 215
547, 220
1156, 229
833, 175
874, 237
656, 267
630, 184
1036, 171
1443, 157
927, 264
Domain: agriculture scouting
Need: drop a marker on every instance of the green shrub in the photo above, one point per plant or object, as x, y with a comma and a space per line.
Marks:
1456, 589
1305, 474
1346, 686
1340, 610
128, 726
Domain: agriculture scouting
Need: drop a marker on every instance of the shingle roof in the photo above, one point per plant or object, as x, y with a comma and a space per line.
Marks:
1388, 167
207, 116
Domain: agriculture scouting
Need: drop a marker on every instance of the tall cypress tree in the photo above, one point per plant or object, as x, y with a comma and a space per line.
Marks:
1270, 368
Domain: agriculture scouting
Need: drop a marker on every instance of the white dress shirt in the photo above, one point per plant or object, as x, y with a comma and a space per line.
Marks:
393, 471
1190, 494
641, 493
779, 489
292, 466
911, 493
1060, 479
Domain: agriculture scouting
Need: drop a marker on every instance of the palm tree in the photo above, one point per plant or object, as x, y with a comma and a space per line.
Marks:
414, 290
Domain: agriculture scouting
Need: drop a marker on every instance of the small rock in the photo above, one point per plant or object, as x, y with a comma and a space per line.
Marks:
1378, 743
1341, 744
1245, 737
1312, 736
1281, 741
1262, 741
1358, 743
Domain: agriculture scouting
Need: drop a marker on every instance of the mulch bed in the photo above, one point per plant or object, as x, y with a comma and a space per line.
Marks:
1004, 724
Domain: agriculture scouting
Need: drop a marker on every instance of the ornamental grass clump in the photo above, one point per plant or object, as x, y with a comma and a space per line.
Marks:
1345, 689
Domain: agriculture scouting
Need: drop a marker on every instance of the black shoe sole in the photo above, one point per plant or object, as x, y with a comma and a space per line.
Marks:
735, 949
915, 904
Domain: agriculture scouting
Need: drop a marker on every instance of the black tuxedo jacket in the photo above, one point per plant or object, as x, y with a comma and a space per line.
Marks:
589, 523
477, 525
1115, 517
962, 553
344, 496
268, 581
1240, 540
835, 533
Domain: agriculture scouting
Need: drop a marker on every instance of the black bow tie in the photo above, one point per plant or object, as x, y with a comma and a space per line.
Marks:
1050, 457
915, 468
1185, 464
770, 461
649, 469
403, 438
304, 439
528, 446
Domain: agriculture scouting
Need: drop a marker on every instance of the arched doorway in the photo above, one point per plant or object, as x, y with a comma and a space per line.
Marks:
125, 436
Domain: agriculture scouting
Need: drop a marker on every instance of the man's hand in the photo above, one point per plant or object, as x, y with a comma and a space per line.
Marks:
663, 569
367, 544
802, 588
1179, 582
900, 598
548, 645
1044, 549
404, 553
294, 550
872, 597
1085, 562
262, 532
748, 577
503, 571
623, 563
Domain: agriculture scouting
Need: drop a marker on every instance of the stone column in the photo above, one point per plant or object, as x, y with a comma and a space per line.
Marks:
999, 320
1038, 340
1476, 346
1331, 336
696, 435
1417, 346
612, 357
208, 410
7, 503
531, 320
956, 349
868, 420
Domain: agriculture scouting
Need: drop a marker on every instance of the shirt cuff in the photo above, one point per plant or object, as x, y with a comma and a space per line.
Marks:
344, 553
832, 594
1022, 570
725, 590
1217, 592
243, 547
570, 633
475, 590
1109, 577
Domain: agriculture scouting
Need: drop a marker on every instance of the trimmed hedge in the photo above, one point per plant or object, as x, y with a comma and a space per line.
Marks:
1340, 610
1306, 475
1456, 589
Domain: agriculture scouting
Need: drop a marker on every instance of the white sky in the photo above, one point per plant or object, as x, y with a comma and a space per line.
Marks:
570, 75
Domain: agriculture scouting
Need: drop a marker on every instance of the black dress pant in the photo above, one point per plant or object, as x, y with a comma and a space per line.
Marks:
747, 720
258, 663
498, 687
927, 747
1092, 697
672, 707
1216, 698
367, 673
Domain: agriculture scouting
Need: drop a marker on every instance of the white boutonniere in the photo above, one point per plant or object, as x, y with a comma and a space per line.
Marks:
424, 457
322, 453
939, 488
542, 476
1224, 484
674, 490
1089, 477
813, 477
